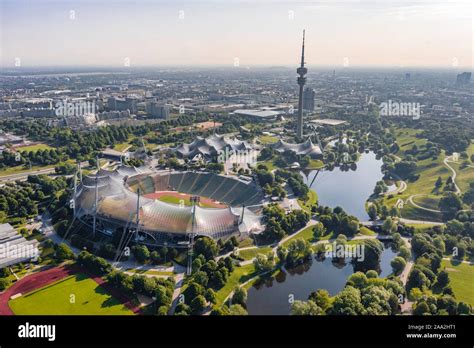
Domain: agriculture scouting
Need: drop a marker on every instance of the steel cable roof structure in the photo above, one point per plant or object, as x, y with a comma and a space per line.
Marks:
115, 198
305, 148
210, 146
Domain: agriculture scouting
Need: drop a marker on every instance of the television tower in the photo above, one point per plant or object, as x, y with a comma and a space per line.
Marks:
301, 71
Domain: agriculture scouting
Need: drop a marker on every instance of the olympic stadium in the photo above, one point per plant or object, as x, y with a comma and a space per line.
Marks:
217, 206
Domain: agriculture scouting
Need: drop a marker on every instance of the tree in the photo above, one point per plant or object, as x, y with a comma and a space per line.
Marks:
443, 278
141, 253
282, 253
207, 247
4, 282
372, 211
64, 252
347, 302
306, 308
237, 309
198, 304
182, 309
239, 296
192, 291
322, 298
319, 230
417, 279
378, 301
264, 263
201, 278
421, 308
450, 204
398, 265
358, 280
373, 249
439, 182
389, 225
211, 296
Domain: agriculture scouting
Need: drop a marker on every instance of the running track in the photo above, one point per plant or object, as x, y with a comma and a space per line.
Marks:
41, 279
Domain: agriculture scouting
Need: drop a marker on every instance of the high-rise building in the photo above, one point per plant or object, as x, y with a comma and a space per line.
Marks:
156, 110
308, 99
301, 71
464, 78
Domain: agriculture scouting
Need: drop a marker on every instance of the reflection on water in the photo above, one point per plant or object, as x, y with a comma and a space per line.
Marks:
348, 188
271, 296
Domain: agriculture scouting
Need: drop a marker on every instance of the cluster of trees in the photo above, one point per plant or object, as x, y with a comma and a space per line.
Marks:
380, 187
23, 199
4, 281
450, 204
338, 221
343, 153
297, 251
428, 285
451, 137
376, 209
93, 263
468, 196
208, 276
38, 157
428, 150
264, 263
159, 288
364, 294
279, 224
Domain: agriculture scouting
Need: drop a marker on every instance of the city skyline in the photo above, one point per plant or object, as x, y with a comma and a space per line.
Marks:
236, 34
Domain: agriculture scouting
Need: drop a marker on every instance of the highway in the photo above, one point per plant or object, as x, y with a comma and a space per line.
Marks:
24, 175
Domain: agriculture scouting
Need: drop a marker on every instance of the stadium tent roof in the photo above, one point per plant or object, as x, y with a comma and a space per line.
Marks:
305, 148
210, 146
116, 202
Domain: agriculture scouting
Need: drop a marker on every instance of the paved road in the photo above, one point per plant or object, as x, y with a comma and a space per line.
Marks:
24, 175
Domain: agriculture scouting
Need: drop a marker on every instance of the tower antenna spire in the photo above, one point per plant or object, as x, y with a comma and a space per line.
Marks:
302, 51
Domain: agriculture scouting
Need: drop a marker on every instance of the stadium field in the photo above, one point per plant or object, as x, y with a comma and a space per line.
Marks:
175, 198
73, 295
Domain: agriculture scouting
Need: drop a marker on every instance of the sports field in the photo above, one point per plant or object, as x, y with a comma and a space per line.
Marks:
461, 276
73, 295
177, 197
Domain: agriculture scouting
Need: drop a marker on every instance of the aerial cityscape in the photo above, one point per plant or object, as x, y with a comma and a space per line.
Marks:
289, 178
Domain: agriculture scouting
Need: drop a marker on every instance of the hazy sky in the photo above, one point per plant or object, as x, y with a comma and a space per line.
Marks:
207, 32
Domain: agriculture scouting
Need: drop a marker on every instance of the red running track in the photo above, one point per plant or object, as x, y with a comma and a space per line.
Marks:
43, 278
33, 282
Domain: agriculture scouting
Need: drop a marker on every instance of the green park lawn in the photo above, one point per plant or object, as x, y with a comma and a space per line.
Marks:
239, 276
34, 148
267, 139
428, 171
21, 169
312, 199
461, 277
306, 234
249, 254
54, 299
